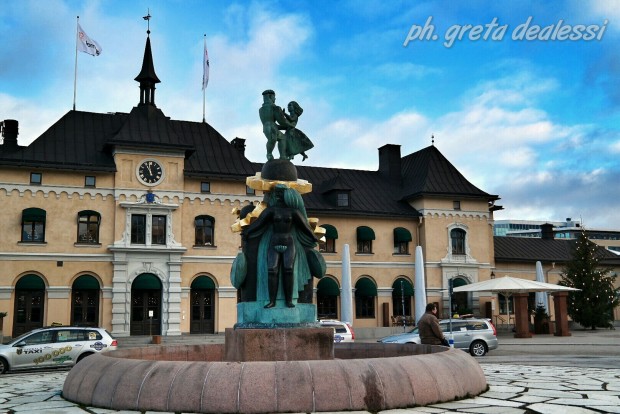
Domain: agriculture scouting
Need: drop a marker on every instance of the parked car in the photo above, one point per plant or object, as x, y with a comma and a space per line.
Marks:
53, 347
476, 336
343, 332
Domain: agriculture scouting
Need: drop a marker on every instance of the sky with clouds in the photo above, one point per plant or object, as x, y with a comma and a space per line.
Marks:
520, 108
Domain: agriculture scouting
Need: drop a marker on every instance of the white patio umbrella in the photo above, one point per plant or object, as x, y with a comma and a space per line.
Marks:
507, 286
541, 297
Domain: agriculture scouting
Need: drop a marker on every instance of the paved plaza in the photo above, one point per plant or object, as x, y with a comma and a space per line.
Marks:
570, 385
513, 389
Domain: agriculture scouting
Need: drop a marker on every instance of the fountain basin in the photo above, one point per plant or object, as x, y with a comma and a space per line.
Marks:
195, 378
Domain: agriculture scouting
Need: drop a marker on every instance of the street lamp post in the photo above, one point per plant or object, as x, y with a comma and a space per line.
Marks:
402, 296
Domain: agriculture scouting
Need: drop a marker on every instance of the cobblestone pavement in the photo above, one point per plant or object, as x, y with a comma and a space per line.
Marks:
513, 389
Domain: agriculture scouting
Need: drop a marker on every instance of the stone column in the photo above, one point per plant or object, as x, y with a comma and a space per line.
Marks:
172, 323
346, 294
522, 317
419, 285
121, 296
561, 314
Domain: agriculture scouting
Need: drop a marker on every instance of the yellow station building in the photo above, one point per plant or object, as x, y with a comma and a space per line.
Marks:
123, 220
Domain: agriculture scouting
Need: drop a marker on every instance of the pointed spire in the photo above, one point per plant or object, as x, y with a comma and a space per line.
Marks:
147, 76
433, 139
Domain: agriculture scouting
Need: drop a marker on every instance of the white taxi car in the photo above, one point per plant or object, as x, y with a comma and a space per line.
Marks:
343, 332
53, 347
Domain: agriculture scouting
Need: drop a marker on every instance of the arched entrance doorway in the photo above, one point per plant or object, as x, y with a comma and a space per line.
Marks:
202, 309
327, 292
402, 292
29, 304
146, 305
460, 300
85, 301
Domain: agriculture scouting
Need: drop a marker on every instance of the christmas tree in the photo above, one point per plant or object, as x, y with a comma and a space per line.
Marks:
592, 306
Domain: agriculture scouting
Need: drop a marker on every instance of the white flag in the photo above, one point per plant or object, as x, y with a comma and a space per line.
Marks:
86, 44
205, 68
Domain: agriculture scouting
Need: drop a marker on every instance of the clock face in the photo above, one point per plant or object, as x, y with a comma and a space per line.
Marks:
150, 172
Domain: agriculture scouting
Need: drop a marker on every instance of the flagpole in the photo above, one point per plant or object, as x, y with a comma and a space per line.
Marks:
203, 81
75, 70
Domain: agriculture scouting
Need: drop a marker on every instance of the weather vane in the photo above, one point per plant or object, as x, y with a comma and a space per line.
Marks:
148, 21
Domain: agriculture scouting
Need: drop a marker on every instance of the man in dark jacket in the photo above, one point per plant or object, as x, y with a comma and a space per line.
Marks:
428, 326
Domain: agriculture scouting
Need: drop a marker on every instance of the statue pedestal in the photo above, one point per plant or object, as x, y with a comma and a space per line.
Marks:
279, 344
254, 313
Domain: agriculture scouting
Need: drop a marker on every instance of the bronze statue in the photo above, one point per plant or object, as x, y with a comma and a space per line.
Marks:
273, 120
286, 238
296, 141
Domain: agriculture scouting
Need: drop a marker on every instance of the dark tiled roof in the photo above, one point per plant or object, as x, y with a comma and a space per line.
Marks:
371, 194
147, 126
526, 249
82, 141
75, 142
428, 172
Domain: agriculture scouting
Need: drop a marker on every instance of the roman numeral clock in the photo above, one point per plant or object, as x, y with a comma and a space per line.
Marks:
150, 172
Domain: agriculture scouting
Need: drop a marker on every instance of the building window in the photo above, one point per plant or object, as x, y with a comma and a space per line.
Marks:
249, 190
458, 241
364, 307
90, 181
331, 234
364, 246
401, 247
326, 307
456, 205
33, 225
88, 226
402, 237
158, 230
365, 236
205, 187
327, 246
343, 200
365, 295
36, 178
204, 230
138, 229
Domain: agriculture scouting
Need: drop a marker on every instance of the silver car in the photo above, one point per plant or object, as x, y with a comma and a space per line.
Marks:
54, 347
476, 336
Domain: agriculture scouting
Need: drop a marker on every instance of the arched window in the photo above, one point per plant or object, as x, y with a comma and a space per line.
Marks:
327, 292
402, 293
331, 234
365, 294
88, 226
402, 237
33, 225
365, 236
205, 230
457, 237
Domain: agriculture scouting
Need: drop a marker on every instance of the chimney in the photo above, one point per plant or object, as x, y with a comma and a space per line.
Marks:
546, 231
10, 129
389, 162
239, 145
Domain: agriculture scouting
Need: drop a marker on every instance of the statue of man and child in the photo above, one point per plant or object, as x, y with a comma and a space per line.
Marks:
275, 120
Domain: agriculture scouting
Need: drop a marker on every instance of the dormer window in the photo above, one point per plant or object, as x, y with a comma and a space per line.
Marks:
343, 199
36, 178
